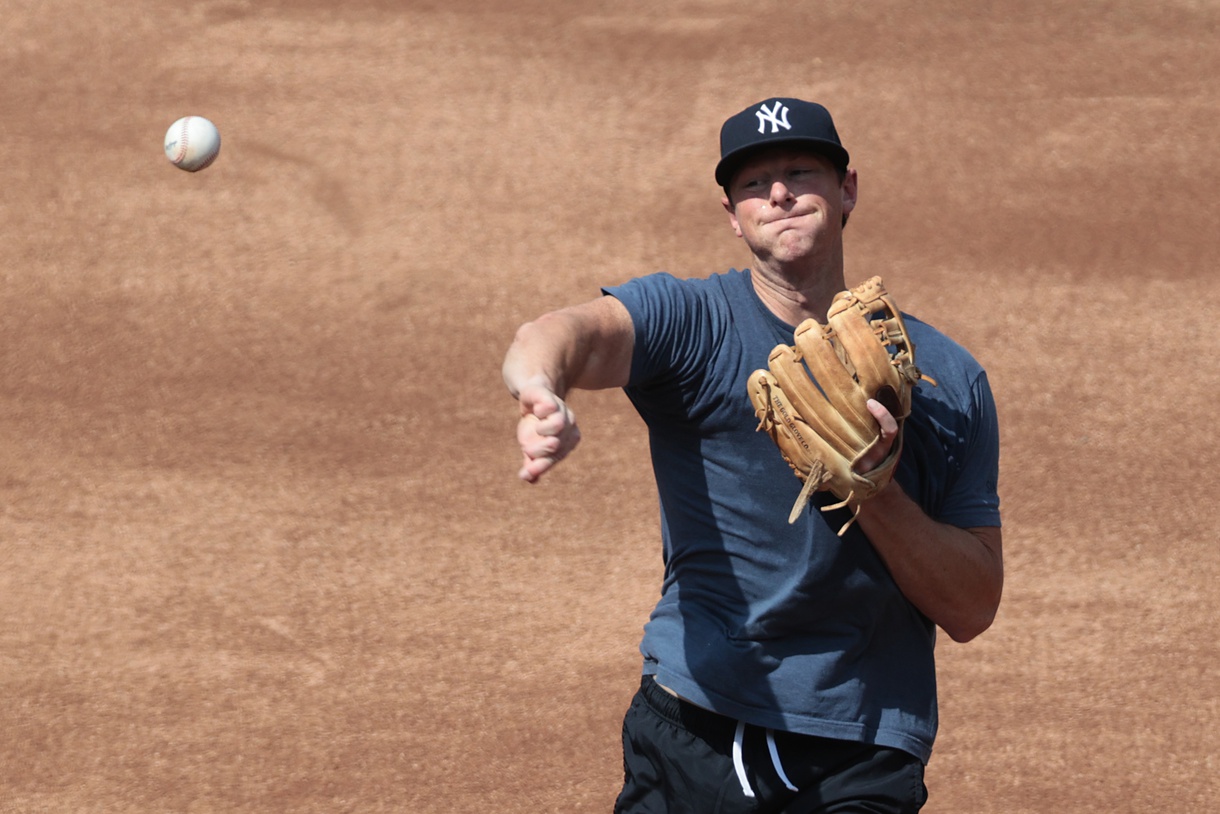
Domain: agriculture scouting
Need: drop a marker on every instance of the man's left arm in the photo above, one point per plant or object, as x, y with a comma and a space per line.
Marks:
953, 575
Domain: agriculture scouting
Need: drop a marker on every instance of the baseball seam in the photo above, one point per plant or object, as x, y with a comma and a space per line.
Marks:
208, 162
182, 141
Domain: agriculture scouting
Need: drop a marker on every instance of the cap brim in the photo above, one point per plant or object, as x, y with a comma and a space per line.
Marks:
729, 163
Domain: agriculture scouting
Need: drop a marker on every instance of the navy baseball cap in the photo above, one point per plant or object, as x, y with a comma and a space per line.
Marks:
775, 122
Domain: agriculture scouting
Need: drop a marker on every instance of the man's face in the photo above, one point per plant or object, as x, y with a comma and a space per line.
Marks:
788, 203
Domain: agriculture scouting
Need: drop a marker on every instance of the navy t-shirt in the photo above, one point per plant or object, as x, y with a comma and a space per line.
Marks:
784, 626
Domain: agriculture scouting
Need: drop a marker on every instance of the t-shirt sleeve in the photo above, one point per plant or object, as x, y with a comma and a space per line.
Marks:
671, 331
973, 497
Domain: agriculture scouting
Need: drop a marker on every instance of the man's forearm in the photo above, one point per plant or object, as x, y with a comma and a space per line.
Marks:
954, 576
540, 353
587, 346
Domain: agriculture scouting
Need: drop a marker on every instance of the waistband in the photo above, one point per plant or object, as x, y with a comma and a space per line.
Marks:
711, 726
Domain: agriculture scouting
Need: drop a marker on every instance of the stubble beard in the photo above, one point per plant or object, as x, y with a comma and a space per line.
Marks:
802, 254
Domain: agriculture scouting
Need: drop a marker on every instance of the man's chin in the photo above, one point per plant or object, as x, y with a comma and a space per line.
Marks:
791, 246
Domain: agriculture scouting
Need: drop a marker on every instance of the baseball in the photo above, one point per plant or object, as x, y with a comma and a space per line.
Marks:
192, 143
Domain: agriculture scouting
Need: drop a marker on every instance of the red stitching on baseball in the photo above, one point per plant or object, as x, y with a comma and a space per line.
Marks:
212, 157
181, 156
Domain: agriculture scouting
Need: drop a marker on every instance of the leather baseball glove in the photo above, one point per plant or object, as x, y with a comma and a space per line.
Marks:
812, 400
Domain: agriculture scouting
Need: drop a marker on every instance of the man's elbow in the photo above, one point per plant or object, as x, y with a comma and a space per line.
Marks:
965, 631
974, 624
977, 615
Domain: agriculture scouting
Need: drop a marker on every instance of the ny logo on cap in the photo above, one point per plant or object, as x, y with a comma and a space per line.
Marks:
777, 115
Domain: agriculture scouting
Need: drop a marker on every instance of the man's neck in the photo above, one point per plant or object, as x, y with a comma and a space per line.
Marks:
795, 295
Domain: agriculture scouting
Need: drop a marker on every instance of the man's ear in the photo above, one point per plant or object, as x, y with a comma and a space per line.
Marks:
851, 191
728, 207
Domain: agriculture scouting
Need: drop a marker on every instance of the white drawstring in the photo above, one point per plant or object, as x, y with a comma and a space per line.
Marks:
779, 769
740, 766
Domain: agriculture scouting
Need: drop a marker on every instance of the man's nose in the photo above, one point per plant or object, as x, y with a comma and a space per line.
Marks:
780, 193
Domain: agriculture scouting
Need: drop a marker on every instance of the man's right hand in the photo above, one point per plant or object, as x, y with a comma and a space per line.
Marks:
584, 347
547, 431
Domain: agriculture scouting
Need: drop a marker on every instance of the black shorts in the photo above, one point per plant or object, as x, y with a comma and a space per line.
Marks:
681, 759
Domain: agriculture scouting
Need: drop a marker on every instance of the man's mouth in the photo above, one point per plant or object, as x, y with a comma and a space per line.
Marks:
787, 216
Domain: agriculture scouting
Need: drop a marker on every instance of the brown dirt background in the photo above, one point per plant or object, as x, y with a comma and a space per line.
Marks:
261, 544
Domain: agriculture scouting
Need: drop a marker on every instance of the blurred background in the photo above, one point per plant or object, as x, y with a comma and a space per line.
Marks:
262, 547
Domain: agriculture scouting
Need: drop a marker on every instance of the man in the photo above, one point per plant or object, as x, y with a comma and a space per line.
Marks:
785, 668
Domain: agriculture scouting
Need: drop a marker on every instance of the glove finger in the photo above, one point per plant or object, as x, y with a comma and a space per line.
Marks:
800, 444
848, 399
812, 405
874, 366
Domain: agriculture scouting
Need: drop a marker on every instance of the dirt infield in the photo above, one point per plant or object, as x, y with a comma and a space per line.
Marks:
261, 544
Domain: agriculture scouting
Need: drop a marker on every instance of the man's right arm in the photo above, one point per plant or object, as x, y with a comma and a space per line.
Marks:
584, 347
